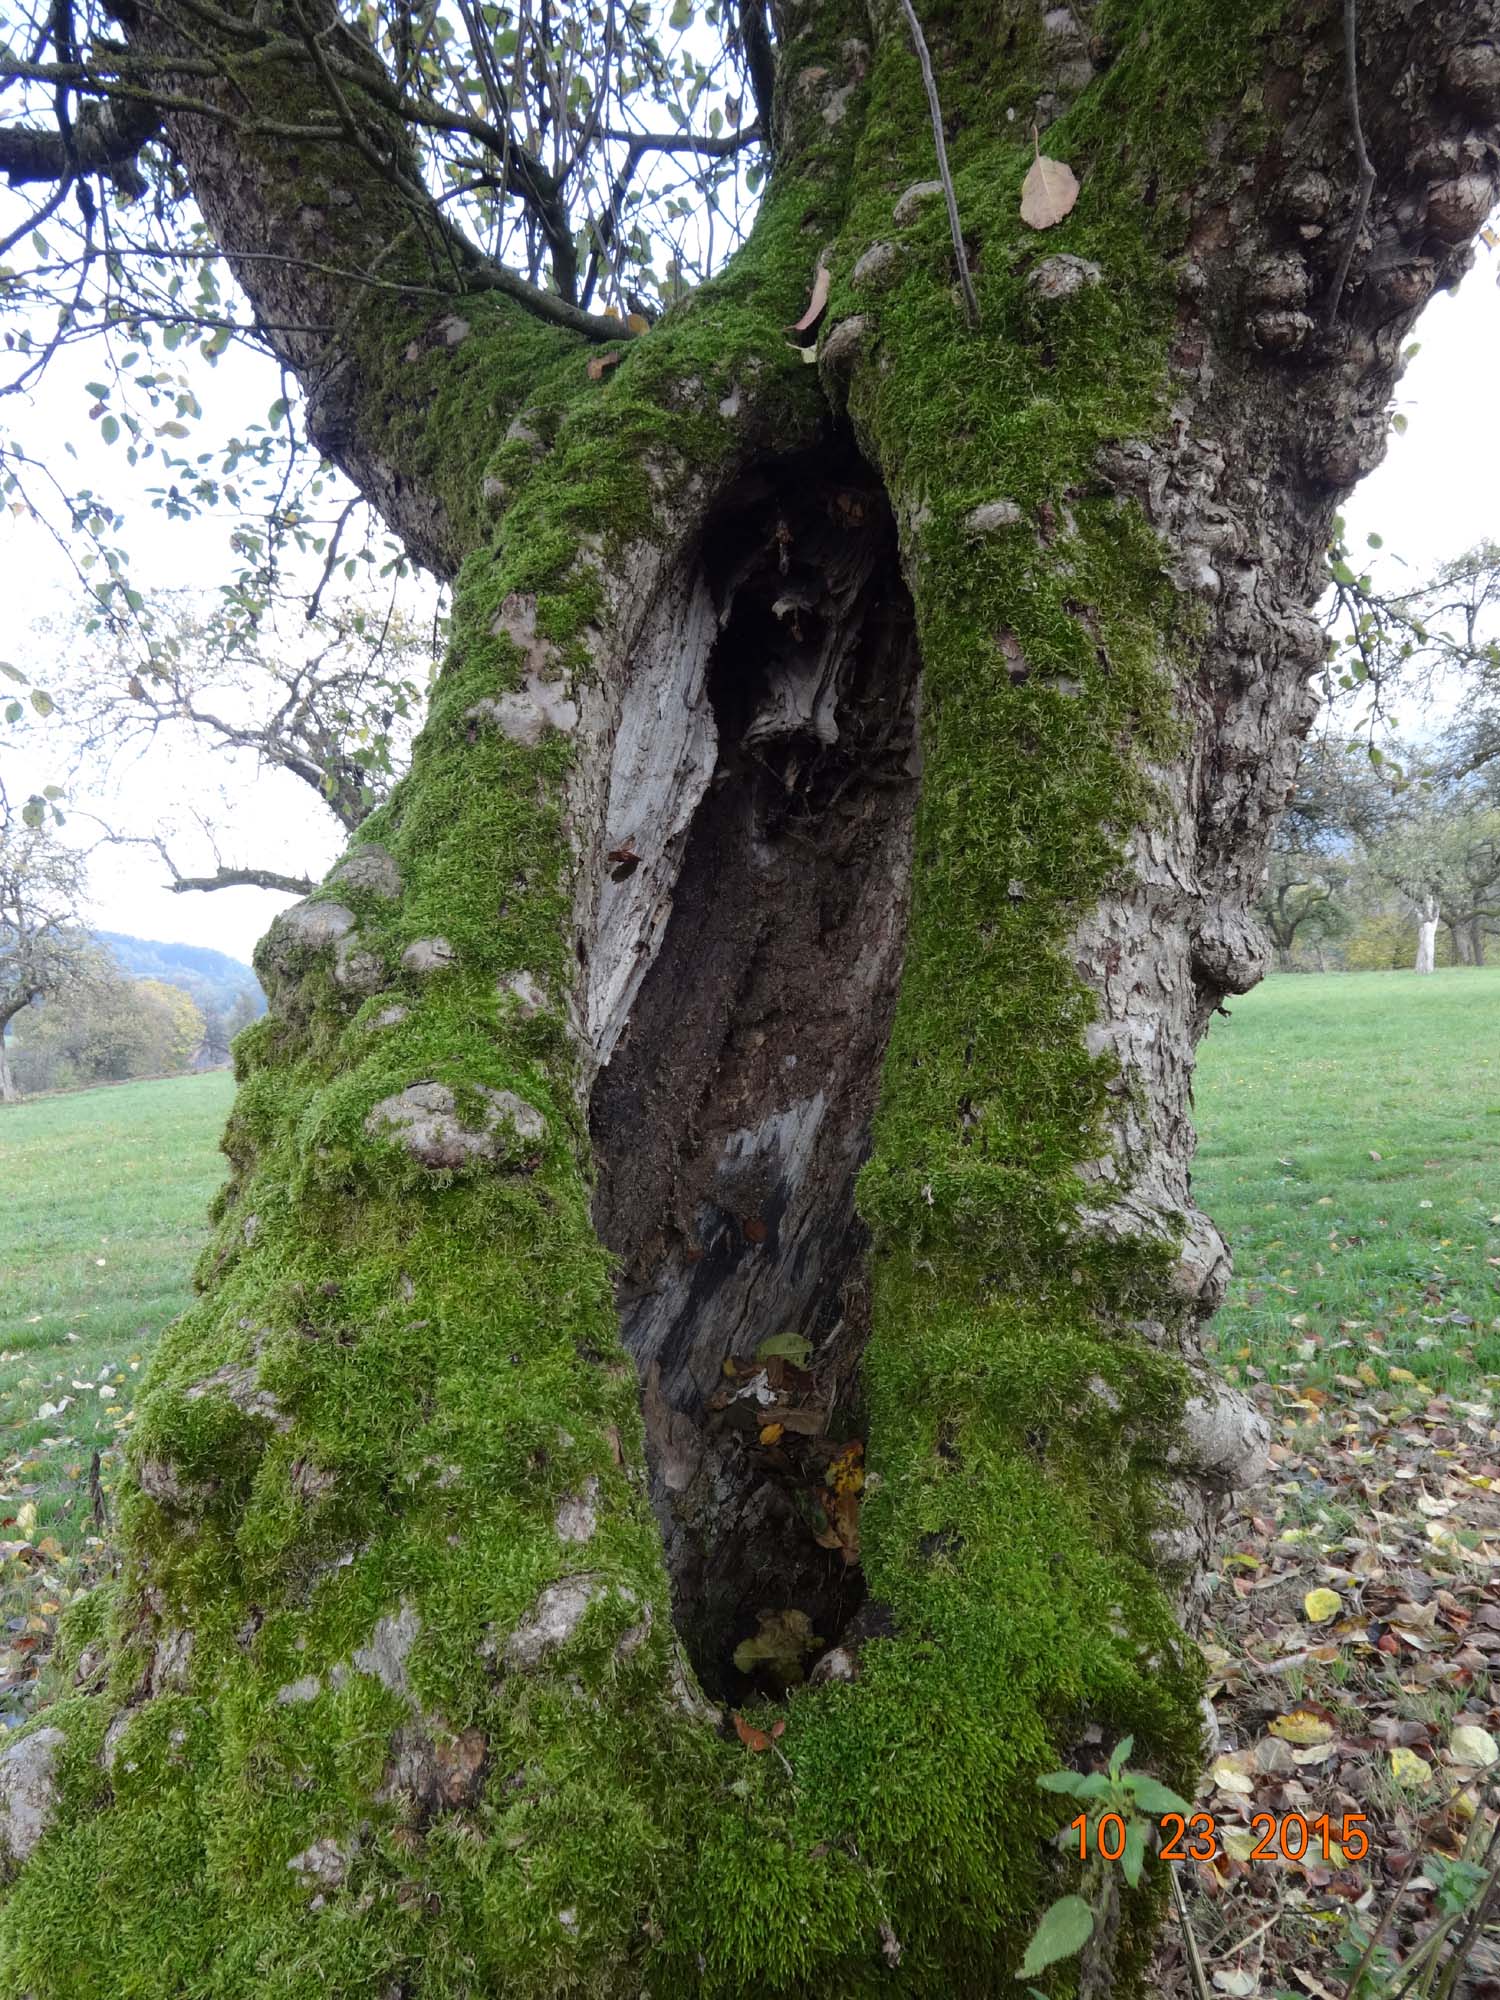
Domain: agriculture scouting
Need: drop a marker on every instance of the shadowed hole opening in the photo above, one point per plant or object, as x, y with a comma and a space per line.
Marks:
735, 1113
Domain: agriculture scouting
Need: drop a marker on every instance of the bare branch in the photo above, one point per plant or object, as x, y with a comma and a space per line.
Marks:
1366, 171
966, 283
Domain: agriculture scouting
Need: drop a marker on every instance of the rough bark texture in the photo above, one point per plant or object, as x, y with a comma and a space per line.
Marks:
836, 824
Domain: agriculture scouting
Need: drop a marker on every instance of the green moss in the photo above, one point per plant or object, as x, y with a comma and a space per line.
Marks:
397, 1376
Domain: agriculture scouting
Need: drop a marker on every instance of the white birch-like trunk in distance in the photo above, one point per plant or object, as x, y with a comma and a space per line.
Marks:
1427, 936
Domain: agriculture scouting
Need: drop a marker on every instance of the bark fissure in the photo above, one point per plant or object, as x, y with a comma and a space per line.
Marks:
734, 1115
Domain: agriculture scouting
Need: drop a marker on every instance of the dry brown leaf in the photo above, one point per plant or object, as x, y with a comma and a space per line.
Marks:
1048, 192
749, 1735
816, 305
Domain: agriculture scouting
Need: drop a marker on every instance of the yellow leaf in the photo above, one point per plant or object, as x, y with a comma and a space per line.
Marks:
1229, 1778
1048, 193
1321, 1605
26, 1517
1238, 1842
771, 1433
1400, 1375
1469, 1744
1407, 1768
1301, 1726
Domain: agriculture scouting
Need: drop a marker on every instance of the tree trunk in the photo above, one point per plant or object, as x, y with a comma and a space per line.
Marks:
8, 1091
1476, 941
837, 821
1427, 928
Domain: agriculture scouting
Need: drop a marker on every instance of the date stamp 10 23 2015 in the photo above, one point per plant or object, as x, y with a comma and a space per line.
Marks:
1195, 1837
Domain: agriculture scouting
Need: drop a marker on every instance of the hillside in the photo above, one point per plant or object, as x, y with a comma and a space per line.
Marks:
213, 978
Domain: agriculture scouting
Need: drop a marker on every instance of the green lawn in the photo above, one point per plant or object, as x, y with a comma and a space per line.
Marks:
106, 1193
1350, 1153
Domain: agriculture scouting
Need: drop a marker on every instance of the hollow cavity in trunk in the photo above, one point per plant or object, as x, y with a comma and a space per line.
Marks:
734, 1113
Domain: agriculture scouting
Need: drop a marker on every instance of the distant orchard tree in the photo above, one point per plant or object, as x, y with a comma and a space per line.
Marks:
1442, 856
106, 1028
42, 949
177, 1026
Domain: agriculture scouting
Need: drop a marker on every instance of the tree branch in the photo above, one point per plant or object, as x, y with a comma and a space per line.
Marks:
245, 878
106, 139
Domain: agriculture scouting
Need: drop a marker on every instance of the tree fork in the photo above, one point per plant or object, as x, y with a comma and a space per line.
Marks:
938, 700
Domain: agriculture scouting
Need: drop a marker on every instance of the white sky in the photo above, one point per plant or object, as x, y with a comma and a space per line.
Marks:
1436, 494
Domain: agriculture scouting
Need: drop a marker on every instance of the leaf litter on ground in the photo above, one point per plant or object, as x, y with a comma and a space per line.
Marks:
1351, 1640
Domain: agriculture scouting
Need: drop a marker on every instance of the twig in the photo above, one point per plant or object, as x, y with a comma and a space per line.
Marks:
1366, 171
1367, 1957
966, 283
1195, 1962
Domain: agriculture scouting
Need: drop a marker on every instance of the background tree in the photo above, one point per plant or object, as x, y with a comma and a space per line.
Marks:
332, 705
105, 1028
1339, 801
41, 945
1441, 852
710, 1204
1436, 640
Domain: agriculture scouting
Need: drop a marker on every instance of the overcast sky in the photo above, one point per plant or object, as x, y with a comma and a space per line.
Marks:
1437, 493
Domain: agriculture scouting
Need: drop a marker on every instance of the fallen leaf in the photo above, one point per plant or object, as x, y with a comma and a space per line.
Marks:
779, 1646
1407, 1768
1302, 1726
817, 305
1311, 1983
749, 1735
1238, 1983
1469, 1744
793, 1347
1229, 1778
1322, 1604
1048, 192
772, 1433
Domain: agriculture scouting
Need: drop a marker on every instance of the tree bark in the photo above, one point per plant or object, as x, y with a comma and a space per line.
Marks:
8, 1091
837, 821
1427, 928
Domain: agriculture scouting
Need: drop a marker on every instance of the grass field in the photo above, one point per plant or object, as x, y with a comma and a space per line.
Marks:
104, 1212
1350, 1152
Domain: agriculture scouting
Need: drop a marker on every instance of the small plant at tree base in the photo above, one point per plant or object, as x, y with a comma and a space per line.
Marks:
1133, 1798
